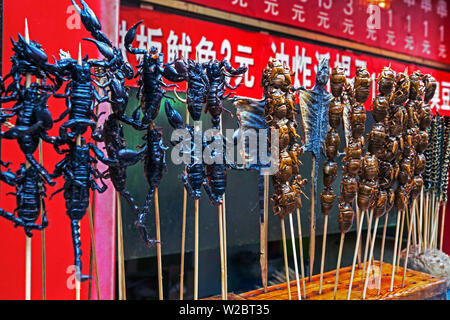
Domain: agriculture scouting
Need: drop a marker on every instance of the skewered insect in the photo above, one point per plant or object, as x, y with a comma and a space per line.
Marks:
79, 175
30, 188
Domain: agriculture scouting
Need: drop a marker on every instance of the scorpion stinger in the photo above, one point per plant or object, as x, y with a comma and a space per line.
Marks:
91, 22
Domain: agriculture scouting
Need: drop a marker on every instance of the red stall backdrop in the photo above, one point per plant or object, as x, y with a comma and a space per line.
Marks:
413, 27
56, 25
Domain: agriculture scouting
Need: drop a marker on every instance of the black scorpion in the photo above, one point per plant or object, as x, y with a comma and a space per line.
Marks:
194, 177
151, 72
79, 175
30, 191
33, 118
217, 71
197, 86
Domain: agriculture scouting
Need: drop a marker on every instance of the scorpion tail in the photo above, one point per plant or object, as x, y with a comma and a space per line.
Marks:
77, 251
173, 116
139, 223
129, 37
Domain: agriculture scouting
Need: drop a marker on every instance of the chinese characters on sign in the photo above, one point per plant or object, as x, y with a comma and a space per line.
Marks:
395, 27
185, 37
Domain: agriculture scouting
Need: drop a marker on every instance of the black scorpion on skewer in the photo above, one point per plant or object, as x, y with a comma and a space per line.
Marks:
112, 135
217, 71
80, 94
194, 177
151, 72
216, 172
154, 166
197, 86
30, 189
33, 118
79, 175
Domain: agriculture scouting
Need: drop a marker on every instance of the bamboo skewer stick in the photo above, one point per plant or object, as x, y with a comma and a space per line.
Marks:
419, 224
224, 226
27, 165
358, 217
408, 245
183, 244
383, 242
224, 234
368, 237
94, 251
395, 250
400, 241
27, 268
324, 243
196, 250
222, 263
444, 206
294, 252
183, 227
300, 244
425, 227
158, 246
435, 225
312, 228
78, 143
338, 266
43, 253
375, 228
355, 254
263, 234
286, 267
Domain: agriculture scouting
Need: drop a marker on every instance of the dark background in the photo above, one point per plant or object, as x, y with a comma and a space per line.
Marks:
242, 215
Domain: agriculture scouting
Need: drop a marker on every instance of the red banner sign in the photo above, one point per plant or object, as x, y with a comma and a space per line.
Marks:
413, 27
180, 36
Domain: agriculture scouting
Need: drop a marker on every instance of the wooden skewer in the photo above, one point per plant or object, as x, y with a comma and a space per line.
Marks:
338, 266
183, 244
425, 227
77, 281
413, 212
400, 241
122, 283
224, 234
27, 165
374, 236
431, 219
435, 224
358, 217
27, 268
312, 227
294, 252
183, 227
383, 242
355, 254
395, 250
286, 267
196, 250
94, 251
419, 224
43, 253
158, 246
442, 225
222, 262
368, 237
408, 244
300, 244
324, 243
263, 234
